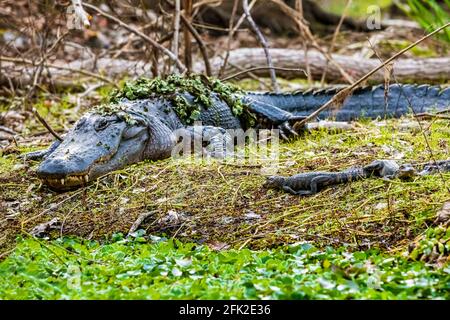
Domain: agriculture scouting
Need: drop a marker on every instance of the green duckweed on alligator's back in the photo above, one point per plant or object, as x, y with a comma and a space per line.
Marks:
199, 86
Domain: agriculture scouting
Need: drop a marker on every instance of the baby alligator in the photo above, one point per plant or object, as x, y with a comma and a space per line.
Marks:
310, 183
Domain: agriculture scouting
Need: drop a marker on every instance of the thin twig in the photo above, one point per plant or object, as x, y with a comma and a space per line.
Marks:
46, 125
187, 36
333, 40
50, 65
264, 44
350, 88
427, 115
304, 29
200, 43
176, 28
230, 37
261, 68
152, 42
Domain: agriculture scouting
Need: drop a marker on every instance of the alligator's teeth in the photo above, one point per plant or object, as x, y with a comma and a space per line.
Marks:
86, 178
62, 181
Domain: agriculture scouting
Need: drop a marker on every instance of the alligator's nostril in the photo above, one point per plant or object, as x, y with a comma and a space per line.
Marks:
53, 167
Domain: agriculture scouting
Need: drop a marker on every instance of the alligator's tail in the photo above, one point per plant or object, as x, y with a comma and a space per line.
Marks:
367, 102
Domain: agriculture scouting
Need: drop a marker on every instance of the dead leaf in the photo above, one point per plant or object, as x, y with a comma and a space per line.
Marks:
443, 215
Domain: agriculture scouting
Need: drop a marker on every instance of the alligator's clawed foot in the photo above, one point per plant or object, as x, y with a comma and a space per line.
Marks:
289, 129
286, 131
40, 154
35, 155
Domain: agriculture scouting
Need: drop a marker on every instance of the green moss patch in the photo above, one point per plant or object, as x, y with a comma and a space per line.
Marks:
171, 88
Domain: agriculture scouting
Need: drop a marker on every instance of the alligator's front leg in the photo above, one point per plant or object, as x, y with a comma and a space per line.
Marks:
213, 141
297, 192
277, 117
316, 184
41, 154
382, 168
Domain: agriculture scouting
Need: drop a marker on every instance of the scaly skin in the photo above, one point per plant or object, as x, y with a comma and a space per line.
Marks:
310, 183
304, 184
99, 143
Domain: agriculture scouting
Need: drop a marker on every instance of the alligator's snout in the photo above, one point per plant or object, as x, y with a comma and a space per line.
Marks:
61, 174
81, 157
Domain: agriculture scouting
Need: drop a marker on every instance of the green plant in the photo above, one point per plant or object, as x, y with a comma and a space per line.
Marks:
429, 14
200, 87
70, 268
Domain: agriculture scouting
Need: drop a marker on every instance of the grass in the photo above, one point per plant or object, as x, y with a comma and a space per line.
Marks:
357, 9
136, 269
209, 201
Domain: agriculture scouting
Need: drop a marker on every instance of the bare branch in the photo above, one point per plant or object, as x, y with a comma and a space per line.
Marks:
176, 28
50, 65
263, 42
200, 43
230, 37
152, 42
46, 125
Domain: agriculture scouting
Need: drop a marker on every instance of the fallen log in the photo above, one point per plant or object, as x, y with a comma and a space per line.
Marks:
423, 70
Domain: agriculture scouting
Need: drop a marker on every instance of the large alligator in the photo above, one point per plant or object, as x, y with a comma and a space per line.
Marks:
130, 131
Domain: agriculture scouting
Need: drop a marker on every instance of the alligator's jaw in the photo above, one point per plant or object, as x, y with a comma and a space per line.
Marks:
66, 183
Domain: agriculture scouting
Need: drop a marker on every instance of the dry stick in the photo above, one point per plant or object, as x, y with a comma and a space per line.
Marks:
304, 29
46, 125
230, 37
342, 92
200, 43
430, 150
152, 42
187, 36
437, 112
176, 28
250, 74
50, 65
333, 40
263, 42
139, 221
427, 115
41, 63
299, 8
242, 18
260, 68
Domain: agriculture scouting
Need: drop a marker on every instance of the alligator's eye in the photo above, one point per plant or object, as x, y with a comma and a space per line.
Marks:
101, 124
80, 123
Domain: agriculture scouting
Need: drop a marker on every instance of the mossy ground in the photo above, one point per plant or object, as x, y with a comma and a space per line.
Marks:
224, 205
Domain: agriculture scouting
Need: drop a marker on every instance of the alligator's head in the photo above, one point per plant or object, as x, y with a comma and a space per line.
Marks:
273, 182
98, 144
